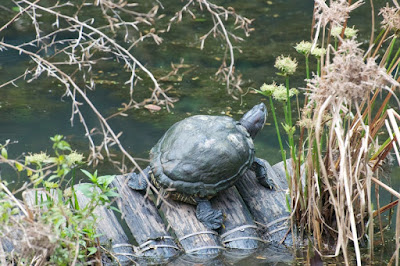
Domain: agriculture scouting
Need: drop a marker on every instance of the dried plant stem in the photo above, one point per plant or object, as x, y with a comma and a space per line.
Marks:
116, 45
3, 187
217, 13
389, 189
65, 79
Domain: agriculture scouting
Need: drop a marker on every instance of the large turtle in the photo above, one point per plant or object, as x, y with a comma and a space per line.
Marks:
202, 155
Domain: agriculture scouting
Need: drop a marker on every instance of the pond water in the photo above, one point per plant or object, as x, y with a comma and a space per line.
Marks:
33, 112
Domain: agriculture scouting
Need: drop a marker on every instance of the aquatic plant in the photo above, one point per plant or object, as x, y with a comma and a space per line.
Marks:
53, 227
339, 154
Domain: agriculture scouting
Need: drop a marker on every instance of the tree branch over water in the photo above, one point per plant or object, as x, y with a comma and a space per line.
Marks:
69, 48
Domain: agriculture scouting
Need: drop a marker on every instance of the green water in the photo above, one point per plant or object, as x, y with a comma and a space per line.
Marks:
32, 112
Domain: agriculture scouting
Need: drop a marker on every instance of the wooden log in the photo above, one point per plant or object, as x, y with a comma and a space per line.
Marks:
238, 231
193, 236
268, 207
6, 246
112, 236
34, 198
3, 252
145, 223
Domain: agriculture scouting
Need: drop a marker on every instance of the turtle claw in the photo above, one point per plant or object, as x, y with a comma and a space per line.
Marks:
211, 218
260, 170
266, 182
137, 181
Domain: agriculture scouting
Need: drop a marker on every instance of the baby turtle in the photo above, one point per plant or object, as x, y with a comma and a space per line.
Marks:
202, 155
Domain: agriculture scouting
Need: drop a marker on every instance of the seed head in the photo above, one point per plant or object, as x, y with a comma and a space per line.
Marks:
348, 32
293, 91
303, 47
286, 65
280, 93
391, 17
74, 158
36, 158
348, 76
318, 52
268, 89
337, 11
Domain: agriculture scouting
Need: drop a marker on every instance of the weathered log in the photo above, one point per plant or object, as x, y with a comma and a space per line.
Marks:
6, 246
238, 231
193, 236
268, 207
34, 197
279, 170
145, 223
112, 236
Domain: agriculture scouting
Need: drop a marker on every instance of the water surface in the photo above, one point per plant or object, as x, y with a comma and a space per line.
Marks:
32, 112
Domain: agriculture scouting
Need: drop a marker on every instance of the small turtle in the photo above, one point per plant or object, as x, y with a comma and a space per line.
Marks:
202, 155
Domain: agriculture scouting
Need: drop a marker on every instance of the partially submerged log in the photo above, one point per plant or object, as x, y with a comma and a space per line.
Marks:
242, 204
238, 231
193, 236
145, 223
268, 207
113, 237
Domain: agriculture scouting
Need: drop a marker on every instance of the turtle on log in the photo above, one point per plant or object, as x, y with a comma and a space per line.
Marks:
202, 155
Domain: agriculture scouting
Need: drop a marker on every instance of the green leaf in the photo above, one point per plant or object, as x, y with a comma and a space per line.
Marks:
50, 185
92, 250
111, 193
51, 160
86, 189
288, 203
14, 211
19, 166
4, 153
77, 207
104, 198
56, 138
52, 177
105, 180
115, 209
63, 145
87, 173
15, 9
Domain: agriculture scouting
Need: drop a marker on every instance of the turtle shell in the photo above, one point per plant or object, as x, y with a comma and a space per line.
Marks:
202, 155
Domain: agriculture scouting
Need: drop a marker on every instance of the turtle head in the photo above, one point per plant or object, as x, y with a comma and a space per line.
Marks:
254, 119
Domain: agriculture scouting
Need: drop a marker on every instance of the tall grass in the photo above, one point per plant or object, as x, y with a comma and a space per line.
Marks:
339, 148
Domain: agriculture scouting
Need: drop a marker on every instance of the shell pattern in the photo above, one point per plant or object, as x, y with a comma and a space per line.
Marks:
202, 155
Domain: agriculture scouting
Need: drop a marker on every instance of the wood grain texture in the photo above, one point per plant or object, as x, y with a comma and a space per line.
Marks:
193, 236
268, 207
144, 222
112, 236
237, 216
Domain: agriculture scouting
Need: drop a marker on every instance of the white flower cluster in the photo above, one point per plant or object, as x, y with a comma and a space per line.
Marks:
278, 92
286, 65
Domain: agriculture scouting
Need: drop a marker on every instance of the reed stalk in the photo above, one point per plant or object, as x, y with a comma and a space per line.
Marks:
340, 124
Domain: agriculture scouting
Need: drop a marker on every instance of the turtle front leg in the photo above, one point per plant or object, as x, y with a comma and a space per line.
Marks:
260, 170
137, 181
211, 218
